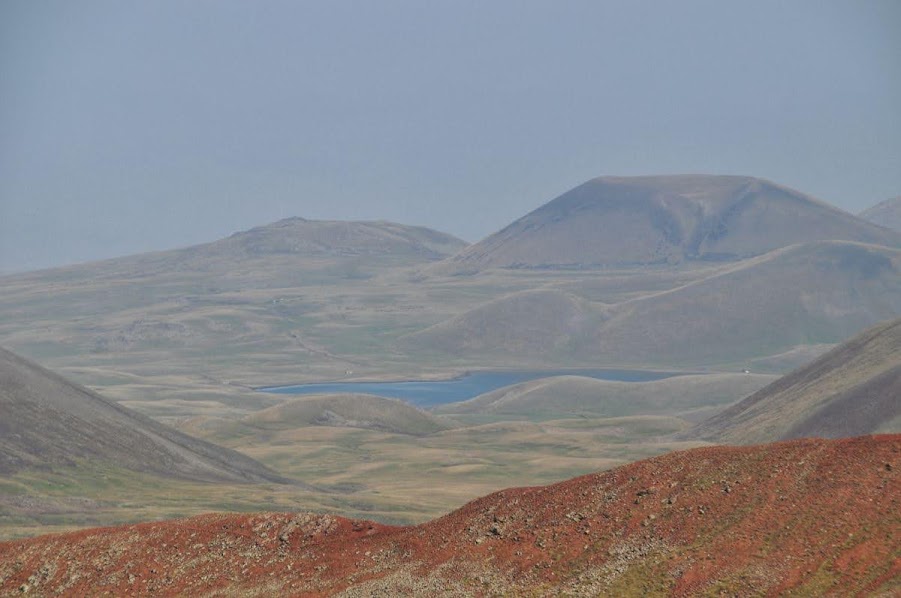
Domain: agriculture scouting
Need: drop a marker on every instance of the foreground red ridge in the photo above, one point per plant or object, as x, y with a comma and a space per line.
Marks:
817, 517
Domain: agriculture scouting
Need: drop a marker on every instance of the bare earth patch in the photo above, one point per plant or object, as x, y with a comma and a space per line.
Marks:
815, 517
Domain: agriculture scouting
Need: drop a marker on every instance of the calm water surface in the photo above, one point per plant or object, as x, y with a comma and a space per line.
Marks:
438, 392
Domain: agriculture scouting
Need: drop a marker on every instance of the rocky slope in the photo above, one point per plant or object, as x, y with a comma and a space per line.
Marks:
813, 517
47, 421
854, 389
664, 219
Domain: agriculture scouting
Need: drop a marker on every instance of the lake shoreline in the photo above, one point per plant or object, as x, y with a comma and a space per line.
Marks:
473, 371
468, 385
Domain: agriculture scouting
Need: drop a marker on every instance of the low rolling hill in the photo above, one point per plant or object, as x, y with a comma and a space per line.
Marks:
347, 411
806, 294
558, 396
47, 422
808, 517
336, 238
813, 293
292, 242
616, 221
886, 213
250, 307
854, 389
541, 321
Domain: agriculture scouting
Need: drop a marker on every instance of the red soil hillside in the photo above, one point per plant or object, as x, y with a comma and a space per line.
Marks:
818, 517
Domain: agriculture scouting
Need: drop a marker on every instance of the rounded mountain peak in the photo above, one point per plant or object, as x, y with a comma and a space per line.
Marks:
614, 221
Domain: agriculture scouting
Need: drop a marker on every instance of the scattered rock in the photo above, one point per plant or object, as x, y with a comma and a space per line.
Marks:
541, 541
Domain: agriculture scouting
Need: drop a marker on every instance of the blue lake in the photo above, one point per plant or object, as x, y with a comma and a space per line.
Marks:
430, 393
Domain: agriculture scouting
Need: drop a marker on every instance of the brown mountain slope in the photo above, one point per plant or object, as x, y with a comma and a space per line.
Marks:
664, 219
854, 389
810, 517
886, 213
46, 421
539, 322
812, 293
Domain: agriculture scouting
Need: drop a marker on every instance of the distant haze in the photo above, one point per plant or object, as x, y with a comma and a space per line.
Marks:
127, 127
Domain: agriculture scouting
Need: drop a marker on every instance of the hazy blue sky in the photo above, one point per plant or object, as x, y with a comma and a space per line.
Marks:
130, 126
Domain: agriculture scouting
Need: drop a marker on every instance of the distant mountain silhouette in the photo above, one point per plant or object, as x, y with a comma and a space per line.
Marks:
292, 241
886, 213
339, 238
664, 219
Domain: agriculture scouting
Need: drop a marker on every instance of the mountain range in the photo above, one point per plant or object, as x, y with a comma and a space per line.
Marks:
673, 271
704, 274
